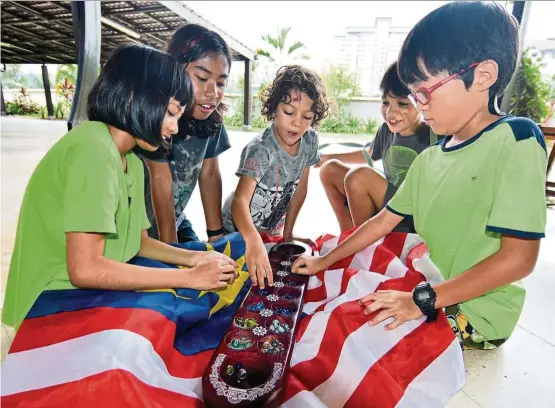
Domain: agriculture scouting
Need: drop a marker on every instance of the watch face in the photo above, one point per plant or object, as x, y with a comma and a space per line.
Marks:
423, 296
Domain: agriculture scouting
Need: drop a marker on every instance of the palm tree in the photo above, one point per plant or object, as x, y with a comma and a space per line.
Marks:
279, 53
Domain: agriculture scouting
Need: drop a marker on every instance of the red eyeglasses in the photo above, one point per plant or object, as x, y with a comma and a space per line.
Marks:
424, 95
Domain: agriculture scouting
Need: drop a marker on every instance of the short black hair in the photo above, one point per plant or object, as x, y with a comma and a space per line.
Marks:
133, 91
391, 83
301, 79
192, 42
459, 34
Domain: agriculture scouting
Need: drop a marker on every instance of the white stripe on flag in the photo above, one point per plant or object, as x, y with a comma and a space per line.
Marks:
411, 241
396, 269
332, 278
359, 352
304, 399
359, 285
92, 354
427, 268
424, 388
363, 259
329, 245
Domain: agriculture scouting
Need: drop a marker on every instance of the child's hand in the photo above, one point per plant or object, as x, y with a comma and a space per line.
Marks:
392, 303
206, 256
211, 274
258, 263
308, 265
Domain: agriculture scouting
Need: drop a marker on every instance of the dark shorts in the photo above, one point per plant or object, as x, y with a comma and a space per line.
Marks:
407, 224
185, 233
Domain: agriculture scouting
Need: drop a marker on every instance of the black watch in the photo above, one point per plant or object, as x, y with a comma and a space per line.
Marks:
425, 298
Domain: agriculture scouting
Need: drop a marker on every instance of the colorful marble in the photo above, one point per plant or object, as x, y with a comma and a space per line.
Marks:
257, 307
249, 323
273, 347
240, 343
278, 327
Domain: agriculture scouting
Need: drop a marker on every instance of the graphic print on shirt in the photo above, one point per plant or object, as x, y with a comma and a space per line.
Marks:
269, 204
185, 171
398, 160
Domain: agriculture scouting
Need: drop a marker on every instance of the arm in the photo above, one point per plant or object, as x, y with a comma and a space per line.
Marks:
255, 255
355, 157
515, 260
368, 233
153, 249
89, 269
161, 184
210, 184
295, 205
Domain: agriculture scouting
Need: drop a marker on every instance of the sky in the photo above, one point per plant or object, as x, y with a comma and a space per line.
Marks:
316, 22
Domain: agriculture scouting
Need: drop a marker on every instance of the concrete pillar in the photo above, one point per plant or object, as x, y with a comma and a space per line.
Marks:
86, 28
47, 93
247, 96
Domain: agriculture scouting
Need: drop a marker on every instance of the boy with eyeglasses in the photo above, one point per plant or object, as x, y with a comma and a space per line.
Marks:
478, 196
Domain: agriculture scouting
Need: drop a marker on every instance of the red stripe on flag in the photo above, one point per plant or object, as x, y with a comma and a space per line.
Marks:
381, 259
395, 242
416, 253
347, 275
344, 263
386, 381
114, 388
155, 327
344, 320
320, 241
317, 294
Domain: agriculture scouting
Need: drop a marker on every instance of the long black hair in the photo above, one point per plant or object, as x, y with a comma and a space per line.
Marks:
189, 43
123, 95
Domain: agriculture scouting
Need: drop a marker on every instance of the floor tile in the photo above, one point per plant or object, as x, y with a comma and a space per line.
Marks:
461, 400
519, 372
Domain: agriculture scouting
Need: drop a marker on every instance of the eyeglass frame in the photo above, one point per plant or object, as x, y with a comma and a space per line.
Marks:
428, 91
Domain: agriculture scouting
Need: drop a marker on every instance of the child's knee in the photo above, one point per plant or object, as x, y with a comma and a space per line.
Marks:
330, 171
358, 178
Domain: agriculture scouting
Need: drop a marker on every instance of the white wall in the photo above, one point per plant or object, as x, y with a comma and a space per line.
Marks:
37, 95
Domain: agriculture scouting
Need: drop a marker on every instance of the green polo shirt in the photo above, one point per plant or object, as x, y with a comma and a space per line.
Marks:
78, 186
464, 198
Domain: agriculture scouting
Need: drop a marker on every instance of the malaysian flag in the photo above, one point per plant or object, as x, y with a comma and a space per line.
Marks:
91, 348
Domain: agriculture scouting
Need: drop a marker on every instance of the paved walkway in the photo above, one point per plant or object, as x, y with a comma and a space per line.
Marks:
518, 374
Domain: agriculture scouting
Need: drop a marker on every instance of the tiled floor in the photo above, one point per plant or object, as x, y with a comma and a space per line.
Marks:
518, 374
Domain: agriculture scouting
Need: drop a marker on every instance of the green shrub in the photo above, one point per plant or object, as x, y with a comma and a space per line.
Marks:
530, 94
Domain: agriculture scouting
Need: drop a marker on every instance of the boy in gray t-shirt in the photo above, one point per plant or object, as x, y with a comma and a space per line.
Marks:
275, 166
277, 175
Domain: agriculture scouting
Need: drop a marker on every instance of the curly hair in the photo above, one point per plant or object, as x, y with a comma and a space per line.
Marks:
301, 79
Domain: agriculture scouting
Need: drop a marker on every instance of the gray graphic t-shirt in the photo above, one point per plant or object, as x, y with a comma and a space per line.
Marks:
277, 175
398, 152
185, 158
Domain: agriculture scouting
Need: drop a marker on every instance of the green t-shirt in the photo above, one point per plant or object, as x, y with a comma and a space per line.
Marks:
78, 186
463, 198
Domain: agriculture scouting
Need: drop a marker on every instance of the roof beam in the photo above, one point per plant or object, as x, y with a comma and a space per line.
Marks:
192, 17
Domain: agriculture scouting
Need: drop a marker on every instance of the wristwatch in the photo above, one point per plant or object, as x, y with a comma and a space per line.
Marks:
425, 298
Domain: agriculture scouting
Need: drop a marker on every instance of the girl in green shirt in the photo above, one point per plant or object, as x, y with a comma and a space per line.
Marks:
83, 214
